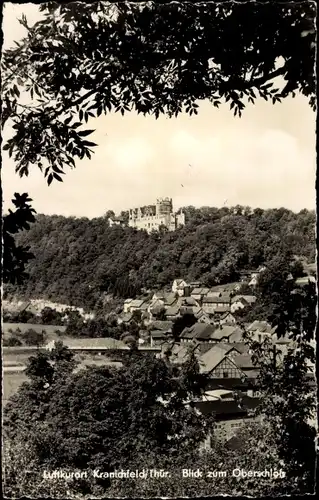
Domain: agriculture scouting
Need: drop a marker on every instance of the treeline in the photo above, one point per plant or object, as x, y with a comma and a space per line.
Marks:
77, 259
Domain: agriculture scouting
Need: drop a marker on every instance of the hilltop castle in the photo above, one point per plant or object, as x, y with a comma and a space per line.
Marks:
151, 217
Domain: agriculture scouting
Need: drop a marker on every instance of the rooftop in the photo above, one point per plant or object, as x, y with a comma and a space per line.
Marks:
260, 326
198, 331
216, 300
91, 344
226, 331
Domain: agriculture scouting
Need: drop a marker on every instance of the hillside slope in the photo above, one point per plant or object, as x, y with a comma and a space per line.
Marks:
77, 258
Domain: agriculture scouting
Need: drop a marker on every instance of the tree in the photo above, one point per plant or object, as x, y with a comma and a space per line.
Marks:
15, 257
33, 337
12, 341
50, 316
109, 414
155, 58
286, 379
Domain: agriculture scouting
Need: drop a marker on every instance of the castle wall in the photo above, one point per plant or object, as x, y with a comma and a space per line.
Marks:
151, 217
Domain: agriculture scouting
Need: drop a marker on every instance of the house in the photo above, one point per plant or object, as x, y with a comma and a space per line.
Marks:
227, 333
116, 221
173, 312
305, 280
233, 412
246, 365
125, 319
260, 330
224, 318
212, 304
218, 365
126, 305
230, 288
255, 276
238, 303
163, 326
241, 301
179, 286
16, 307
158, 337
203, 317
198, 293
138, 305
199, 332
164, 297
189, 306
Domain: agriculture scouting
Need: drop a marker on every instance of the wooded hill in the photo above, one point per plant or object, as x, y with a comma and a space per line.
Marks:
75, 259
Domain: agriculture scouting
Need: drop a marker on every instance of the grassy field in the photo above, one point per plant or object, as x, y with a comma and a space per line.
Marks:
50, 330
11, 383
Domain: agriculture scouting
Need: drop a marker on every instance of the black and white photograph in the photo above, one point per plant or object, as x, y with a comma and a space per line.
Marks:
159, 261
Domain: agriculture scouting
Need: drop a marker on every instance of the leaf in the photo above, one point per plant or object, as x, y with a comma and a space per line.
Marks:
57, 177
67, 121
57, 169
84, 133
50, 179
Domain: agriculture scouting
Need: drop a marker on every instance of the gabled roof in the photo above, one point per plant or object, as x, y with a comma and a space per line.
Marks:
250, 299
305, 280
144, 306
225, 314
200, 331
174, 310
158, 334
137, 302
261, 326
215, 300
228, 287
212, 358
244, 361
179, 282
199, 313
162, 325
234, 347
225, 331
93, 343
117, 218
169, 299
126, 318
189, 301
200, 291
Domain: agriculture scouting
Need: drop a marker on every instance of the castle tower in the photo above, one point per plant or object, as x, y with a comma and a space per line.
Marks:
164, 206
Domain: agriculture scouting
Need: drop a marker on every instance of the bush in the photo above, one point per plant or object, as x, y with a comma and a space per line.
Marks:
11, 342
31, 337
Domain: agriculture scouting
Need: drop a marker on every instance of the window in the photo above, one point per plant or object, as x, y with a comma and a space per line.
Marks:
225, 374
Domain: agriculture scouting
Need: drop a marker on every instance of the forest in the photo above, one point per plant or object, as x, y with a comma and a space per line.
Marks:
77, 260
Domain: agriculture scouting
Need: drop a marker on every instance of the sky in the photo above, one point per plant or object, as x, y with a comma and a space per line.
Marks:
264, 159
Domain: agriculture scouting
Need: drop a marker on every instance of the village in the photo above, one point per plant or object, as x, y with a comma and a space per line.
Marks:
174, 322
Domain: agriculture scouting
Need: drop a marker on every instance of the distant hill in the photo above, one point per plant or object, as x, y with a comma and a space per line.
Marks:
77, 259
